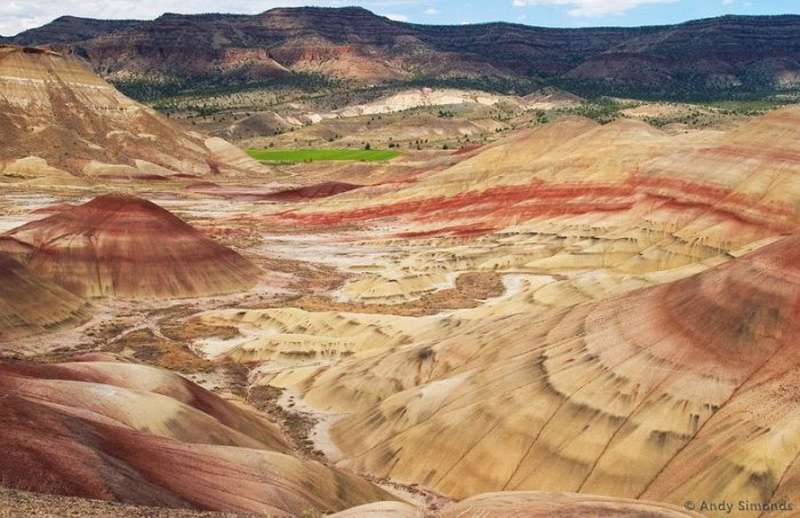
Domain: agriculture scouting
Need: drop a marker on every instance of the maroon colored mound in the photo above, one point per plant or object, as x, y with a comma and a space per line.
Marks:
81, 438
99, 370
53, 209
320, 190
123, 246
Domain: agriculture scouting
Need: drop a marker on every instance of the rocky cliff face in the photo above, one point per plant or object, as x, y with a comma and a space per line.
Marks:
691, 59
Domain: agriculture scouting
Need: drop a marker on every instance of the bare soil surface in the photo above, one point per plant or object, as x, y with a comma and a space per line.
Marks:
22, 504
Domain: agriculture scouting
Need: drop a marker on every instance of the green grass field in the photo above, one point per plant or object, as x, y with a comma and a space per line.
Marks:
316, 155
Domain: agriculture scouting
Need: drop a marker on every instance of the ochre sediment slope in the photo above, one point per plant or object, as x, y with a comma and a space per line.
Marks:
524, 505
127, 247
678, 391
50, 103
70, 430
641, 346
30, 304
558, 505
626, 180
144, 399
598, 309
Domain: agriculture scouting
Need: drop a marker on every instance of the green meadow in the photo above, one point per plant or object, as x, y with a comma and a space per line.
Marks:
317, 155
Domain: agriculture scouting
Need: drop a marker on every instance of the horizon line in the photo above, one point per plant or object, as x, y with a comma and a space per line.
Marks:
475, 24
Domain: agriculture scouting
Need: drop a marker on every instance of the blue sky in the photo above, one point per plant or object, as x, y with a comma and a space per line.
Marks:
18, 15
579, 13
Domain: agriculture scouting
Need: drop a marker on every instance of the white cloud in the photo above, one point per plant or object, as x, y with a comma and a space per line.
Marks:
728, 2
431, 11
19, 15
588, 8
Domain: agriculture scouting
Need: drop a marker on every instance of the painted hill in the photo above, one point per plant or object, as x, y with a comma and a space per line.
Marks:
57, 118
138, 435
120, 432
31, 304
700, 58
122, 246
666, 393
547, 505
683, 197
644, 344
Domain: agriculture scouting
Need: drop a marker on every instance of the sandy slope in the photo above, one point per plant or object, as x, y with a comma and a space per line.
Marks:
29, 303
48, 98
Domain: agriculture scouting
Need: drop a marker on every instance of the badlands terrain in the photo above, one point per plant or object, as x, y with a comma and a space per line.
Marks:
571, 315
311, 76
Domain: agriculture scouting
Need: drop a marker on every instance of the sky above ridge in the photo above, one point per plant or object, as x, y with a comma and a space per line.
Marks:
19, 15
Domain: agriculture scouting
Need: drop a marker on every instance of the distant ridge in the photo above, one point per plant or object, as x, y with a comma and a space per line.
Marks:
67, 29
701, 58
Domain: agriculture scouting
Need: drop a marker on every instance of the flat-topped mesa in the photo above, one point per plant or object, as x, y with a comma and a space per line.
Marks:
123, 246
